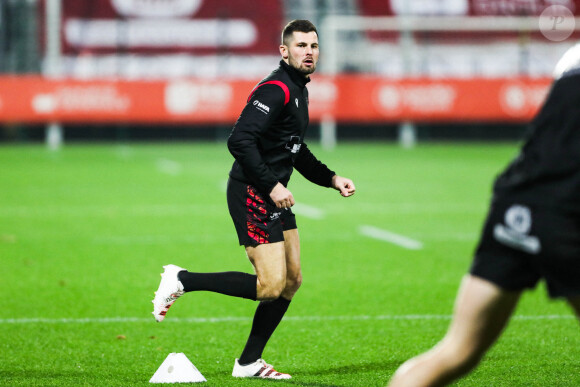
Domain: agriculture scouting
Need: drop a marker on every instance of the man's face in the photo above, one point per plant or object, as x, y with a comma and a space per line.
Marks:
301, 52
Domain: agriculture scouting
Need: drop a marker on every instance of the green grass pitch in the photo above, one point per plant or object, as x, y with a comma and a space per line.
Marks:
84, 232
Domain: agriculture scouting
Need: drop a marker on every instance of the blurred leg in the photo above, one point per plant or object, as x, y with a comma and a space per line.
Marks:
481, 312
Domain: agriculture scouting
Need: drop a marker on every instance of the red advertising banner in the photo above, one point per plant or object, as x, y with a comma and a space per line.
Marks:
373, 99
519, 7
169, 26
348, 99
463, 7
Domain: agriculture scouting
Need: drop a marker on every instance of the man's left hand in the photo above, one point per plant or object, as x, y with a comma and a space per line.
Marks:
344, 185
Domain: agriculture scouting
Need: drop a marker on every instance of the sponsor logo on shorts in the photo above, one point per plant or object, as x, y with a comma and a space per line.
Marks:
515, 232
262, 107
275, 215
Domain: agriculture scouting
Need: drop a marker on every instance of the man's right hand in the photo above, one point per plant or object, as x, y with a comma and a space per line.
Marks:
281, 196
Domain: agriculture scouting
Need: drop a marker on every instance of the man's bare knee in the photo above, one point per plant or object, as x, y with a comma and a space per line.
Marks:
293, 284
270, 291
270, 294
270, 266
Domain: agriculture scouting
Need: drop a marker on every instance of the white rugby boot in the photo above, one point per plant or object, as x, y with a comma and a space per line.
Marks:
258, 369
170, 289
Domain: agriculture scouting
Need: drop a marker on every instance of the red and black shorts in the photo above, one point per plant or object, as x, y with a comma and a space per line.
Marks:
523, 244
256, 219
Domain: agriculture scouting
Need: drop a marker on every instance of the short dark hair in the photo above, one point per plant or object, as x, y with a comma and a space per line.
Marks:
297, 26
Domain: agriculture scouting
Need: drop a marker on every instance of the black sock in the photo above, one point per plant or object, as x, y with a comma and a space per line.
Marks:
231, 283
267, 317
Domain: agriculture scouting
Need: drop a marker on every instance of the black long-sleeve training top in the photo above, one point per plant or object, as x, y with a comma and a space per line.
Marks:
267, 140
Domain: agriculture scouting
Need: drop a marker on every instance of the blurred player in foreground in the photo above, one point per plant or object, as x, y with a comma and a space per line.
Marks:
267, 143
532, 232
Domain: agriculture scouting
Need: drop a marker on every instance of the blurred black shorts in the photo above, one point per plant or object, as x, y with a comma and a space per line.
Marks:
256, 219
522, 244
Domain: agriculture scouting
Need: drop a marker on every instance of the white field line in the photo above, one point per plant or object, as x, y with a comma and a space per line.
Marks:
125, 152
449, 236
169, 167
308, 211
211, 320
391, 237
161, 239
137, 209
96, 210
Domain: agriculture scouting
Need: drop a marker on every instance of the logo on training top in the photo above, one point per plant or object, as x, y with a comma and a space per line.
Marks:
515, 232
294, 144
296, 100
261, 107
